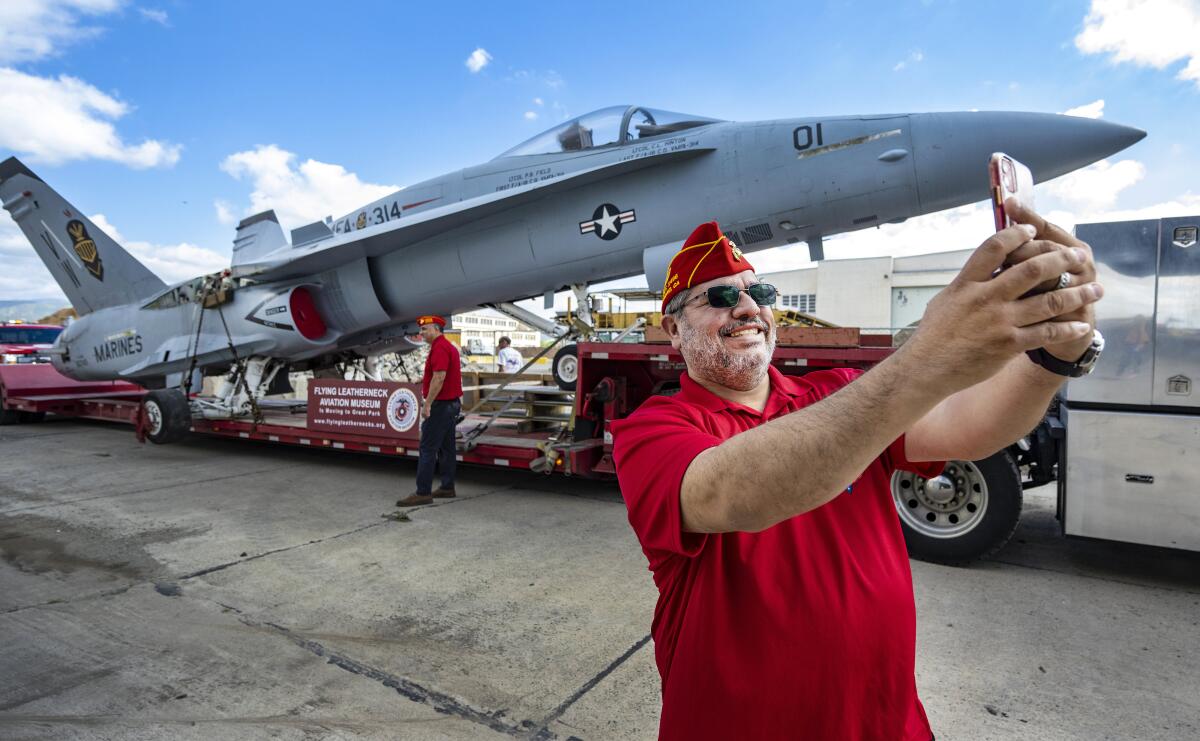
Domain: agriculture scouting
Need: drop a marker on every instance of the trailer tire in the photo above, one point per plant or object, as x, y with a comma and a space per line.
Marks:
168, 418
967, 513
566, 367
32, 417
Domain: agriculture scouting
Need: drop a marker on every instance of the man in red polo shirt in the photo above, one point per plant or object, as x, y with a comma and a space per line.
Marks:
441, 388
763, 501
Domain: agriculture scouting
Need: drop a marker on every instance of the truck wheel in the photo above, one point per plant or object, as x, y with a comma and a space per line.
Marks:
167, 414
967, 513
566, 367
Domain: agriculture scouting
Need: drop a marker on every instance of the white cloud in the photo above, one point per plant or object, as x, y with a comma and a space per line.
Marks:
1095, 187
224, 212
1095, 109
531, 115
1188, 203
56, 120
34, 29
538, 101
156, 15
171, 262
300, 194
957, 229
478, 60
914, 58
25, 275
1148, 33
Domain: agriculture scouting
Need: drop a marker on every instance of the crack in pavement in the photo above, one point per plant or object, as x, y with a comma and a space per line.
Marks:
84, 598
587, 687
222, 567
405, 687
284, 549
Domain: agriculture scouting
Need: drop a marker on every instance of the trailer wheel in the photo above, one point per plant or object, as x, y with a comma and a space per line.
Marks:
967, 513
566, 367
167, 414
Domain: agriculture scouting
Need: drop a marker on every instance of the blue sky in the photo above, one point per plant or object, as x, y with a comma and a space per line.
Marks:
172, 120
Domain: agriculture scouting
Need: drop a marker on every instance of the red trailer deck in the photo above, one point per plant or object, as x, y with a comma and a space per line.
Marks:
29, 391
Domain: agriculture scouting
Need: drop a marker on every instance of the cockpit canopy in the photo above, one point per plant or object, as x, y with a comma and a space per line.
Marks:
607, 127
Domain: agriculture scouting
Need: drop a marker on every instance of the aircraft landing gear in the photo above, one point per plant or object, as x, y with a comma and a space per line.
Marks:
167, 416
241, 389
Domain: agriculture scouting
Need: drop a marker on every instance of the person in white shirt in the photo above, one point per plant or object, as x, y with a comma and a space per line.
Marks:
509, 360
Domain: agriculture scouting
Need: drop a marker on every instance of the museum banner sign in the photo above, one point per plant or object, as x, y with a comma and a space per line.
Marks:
375, 408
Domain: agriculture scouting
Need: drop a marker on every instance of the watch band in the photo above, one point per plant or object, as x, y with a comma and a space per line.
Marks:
1080, 367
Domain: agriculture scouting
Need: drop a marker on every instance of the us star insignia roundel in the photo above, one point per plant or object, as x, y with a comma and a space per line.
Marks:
606, 221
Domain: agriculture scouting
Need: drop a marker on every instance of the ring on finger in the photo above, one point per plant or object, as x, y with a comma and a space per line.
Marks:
1064, 280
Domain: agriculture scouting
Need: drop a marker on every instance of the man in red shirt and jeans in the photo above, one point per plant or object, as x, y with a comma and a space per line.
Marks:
441, 388
763, 501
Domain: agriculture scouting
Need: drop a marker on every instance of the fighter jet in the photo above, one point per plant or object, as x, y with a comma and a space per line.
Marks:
606, 195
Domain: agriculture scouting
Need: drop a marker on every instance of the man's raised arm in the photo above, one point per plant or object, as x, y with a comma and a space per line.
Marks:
971, 330
978, 421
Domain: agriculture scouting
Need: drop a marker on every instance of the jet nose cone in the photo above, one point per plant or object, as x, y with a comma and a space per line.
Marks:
951, 150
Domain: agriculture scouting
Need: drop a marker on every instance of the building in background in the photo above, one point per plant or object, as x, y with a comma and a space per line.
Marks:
873, 293
481, 329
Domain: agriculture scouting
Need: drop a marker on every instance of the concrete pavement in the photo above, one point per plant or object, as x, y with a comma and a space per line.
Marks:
239, 590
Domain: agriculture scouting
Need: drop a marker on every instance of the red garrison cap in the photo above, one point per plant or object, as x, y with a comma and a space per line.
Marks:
707, 254
430, 319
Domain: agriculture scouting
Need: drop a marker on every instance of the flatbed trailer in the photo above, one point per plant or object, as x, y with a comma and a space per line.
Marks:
635, 370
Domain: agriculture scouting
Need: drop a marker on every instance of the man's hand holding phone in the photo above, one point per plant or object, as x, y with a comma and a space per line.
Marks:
1081, 275
1012, 203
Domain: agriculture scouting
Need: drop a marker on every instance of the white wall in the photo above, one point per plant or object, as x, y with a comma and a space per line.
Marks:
872, 292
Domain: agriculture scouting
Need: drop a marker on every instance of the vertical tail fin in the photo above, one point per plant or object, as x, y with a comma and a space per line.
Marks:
92, 269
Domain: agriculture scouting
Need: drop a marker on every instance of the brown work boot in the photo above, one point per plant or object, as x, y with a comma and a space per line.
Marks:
444, 493
412, 500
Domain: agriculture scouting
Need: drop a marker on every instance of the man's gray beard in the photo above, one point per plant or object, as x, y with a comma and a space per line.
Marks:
708, 358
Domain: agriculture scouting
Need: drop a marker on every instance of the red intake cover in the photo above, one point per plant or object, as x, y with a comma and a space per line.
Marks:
309, 323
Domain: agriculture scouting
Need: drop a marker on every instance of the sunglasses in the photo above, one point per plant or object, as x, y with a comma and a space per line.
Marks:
726, 297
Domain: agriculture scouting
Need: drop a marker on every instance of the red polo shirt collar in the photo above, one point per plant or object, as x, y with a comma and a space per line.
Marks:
783, 389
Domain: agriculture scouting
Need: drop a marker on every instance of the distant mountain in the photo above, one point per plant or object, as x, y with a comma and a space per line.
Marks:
29, 310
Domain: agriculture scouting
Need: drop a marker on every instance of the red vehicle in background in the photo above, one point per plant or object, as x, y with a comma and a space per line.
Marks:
26, 343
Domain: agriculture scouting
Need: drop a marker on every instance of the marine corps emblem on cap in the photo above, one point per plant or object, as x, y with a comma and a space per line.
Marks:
431, 319
705, 255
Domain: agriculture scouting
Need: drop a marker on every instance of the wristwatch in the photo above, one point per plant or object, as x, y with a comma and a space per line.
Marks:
1081, 367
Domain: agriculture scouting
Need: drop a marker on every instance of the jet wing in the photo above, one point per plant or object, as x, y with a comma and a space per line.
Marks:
293, 262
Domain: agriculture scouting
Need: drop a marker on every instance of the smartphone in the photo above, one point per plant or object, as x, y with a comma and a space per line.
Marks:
1009, 179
